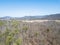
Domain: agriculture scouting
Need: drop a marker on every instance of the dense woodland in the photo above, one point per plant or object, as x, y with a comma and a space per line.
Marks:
17, 32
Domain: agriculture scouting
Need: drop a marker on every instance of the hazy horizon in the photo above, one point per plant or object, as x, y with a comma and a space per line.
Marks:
20, 8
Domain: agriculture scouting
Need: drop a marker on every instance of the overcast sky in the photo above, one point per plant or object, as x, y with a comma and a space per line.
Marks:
19, 8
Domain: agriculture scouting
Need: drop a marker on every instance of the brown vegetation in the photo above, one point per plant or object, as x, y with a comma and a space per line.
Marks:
14, 32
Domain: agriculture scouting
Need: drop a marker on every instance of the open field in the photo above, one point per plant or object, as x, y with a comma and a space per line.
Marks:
29, 32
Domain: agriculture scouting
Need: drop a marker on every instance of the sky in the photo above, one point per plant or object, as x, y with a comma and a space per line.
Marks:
20, 8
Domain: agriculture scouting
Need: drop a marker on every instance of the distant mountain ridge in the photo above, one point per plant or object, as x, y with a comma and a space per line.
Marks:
47, 17
6, 17
52, 17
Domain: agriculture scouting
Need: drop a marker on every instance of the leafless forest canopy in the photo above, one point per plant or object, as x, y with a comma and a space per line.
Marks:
29, 32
